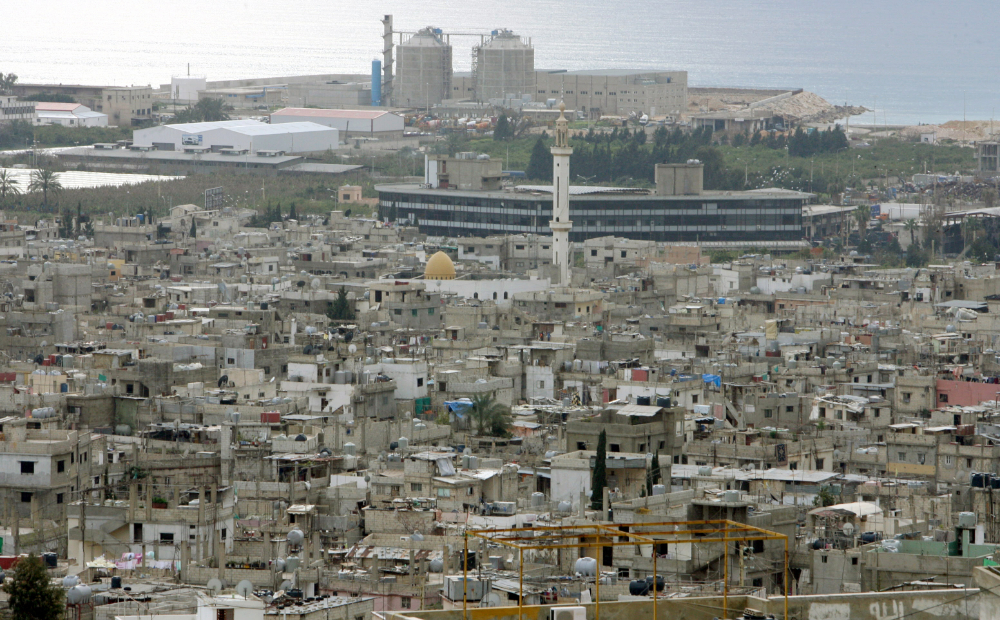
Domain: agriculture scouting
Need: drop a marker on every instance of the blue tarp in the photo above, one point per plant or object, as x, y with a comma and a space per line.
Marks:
716, 379
459, 406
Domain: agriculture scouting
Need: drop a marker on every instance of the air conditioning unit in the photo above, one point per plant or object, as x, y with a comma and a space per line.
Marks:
568, 613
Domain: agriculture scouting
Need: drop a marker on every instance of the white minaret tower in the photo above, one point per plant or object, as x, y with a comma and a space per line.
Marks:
560, 223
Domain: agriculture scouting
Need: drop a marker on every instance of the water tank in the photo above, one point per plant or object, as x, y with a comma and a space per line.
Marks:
967, 520
473, 462
950, 329
642, 401
416, 536
279, 565
404, 443
116, 582
123, 429
295, 537
638, 587
586, 567
292, 563
70, 580
663, 401
731, 496
659, 489
755, 290
792, 363
564, 506
537, 500
350, 449
436, 565
465, 461
80, 593
704, 470
659, 582
838, 365
340, 377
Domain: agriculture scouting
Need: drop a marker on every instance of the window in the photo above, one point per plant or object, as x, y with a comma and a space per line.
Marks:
968, 463
624, 253
662, 445
60, 466
614, 448
819, 463
167, 538
59, 498
430, 311
694, 399
416, 487
949, 460
405, 602
906, 397
27, 467
854, 561
593, 252
789, 409
442, 492
902, 457
943, 398
397, 311
25, 497
420, 382
768, 413
413, 312
824, 558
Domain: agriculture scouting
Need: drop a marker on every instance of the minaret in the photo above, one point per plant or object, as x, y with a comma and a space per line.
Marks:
560, 223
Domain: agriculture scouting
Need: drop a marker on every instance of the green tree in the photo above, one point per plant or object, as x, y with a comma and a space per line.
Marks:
45, 181
207, 109
8, 186
503, 131
654, 474
292, 213
862, 215
911, 227
492, 418
7, 83
341, 309
824, 498
31, 594
599, 477
193, 233
540, 163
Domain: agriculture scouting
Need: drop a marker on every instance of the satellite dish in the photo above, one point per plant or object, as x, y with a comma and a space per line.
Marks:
352, 349
244, 588
315, 284
214, 586
848, 529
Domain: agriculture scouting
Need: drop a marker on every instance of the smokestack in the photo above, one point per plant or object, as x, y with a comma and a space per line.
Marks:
387, 59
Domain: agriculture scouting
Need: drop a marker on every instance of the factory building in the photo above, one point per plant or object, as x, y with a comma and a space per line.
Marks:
240, 135
350, 123
423, 63
504, 67
679, 210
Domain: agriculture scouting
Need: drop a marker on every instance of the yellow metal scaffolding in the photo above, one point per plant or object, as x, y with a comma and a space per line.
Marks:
664, 532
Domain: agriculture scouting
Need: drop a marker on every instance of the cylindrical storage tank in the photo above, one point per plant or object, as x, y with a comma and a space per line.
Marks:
659, 489
436, 565
792, 363
505, 66
78, 594
473, 462
537, 500
295, 537
423, 70
662, 401
116, 582
404, 443
659, 582
123, 429
292, 563
465, 461
279, 565
376, 83
340, 377
564, 506
732, 496
70, 580
350, 449
638, 588
586, 567
704, 470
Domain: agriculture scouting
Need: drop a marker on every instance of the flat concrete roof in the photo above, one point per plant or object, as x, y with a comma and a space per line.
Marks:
581, 194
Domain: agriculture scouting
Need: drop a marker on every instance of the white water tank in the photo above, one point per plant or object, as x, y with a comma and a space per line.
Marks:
732, 496
659, 489
586, 567
350, 449
537, 500
404, 443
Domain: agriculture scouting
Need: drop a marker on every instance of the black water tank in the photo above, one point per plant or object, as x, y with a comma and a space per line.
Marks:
659, 582
263, 305
978, 480
51, 559
116, 582
642, 400
638, 588
663, 401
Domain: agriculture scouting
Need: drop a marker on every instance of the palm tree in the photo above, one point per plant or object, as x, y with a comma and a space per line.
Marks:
911, 227
490, 416
45, 181
8, 185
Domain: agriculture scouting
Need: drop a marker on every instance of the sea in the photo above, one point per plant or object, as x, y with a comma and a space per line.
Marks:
912, 61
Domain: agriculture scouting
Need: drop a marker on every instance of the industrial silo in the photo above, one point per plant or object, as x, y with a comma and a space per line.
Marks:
505, 67
423, 66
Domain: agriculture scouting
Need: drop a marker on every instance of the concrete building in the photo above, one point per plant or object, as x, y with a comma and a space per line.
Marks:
604, 92
13, 110
124, 105
240, 136
350, 123
466, 171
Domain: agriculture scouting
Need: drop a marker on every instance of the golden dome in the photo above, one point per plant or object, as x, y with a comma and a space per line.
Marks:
439, 267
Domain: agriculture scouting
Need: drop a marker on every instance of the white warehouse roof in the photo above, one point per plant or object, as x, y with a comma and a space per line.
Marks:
359, 121
253, 136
